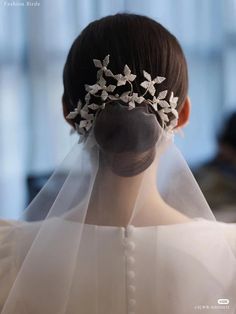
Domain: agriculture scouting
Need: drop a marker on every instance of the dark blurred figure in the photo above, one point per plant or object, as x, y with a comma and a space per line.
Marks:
217, 178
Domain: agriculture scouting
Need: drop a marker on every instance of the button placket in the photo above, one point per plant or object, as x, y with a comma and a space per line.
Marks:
130, 246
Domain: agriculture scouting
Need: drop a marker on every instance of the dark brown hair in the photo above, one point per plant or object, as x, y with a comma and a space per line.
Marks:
139, 42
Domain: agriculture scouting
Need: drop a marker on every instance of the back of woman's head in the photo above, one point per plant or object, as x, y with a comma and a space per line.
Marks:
142, 44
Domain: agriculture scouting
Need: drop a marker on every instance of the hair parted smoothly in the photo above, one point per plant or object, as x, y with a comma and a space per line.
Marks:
118, 68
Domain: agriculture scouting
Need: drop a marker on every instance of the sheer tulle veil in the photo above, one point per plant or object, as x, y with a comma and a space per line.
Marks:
72, 258
45, 280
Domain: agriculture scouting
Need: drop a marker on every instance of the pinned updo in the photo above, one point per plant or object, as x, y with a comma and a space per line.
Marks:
142, 44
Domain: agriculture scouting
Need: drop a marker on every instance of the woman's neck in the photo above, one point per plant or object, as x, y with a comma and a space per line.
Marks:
113, 198
118, 201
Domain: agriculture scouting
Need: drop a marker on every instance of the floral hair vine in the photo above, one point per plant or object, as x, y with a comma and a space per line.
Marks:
88, 109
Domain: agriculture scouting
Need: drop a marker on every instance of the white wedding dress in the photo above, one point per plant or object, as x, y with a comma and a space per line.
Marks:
62, 265
130, 270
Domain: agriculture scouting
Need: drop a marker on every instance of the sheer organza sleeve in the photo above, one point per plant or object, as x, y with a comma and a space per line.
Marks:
230, 234
8, 261
15, 240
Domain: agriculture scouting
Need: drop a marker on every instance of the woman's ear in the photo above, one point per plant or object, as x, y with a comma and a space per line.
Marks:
184, 113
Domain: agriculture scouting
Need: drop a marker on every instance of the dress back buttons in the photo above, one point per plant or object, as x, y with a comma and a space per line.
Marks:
130, 246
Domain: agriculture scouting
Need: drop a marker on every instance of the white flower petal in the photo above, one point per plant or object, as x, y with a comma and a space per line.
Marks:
108, 73
87, 98
132, 77
111, 88
87, 88
85, 108
101, 82
167, 110
93, 106
72, 115
106, 61
131, 105
173, 105
172, 124
121, 82
145, 84
164, 104
104, 95
159, 79
137, 99
97, 63
162, 94
99, 73
154, 105
171, 97
175, 113
118, 77
155, 99
127, 70
79, 105
140, 99
152, 89
93, 89
173, 100
147, 76
163, 116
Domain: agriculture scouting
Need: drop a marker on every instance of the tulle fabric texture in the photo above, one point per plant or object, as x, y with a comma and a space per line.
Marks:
72, 266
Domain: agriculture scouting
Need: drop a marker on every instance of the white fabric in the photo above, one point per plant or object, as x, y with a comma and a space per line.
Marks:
176, 257
136, 281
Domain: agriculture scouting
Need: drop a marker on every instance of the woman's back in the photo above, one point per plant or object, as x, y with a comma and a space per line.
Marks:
130, 270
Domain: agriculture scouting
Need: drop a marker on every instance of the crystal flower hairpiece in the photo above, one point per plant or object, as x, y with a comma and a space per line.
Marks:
88, 109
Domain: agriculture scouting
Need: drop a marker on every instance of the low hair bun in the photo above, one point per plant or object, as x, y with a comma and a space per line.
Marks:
126, 138
119, 130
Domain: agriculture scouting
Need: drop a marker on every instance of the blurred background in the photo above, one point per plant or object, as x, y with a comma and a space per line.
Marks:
35, 37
